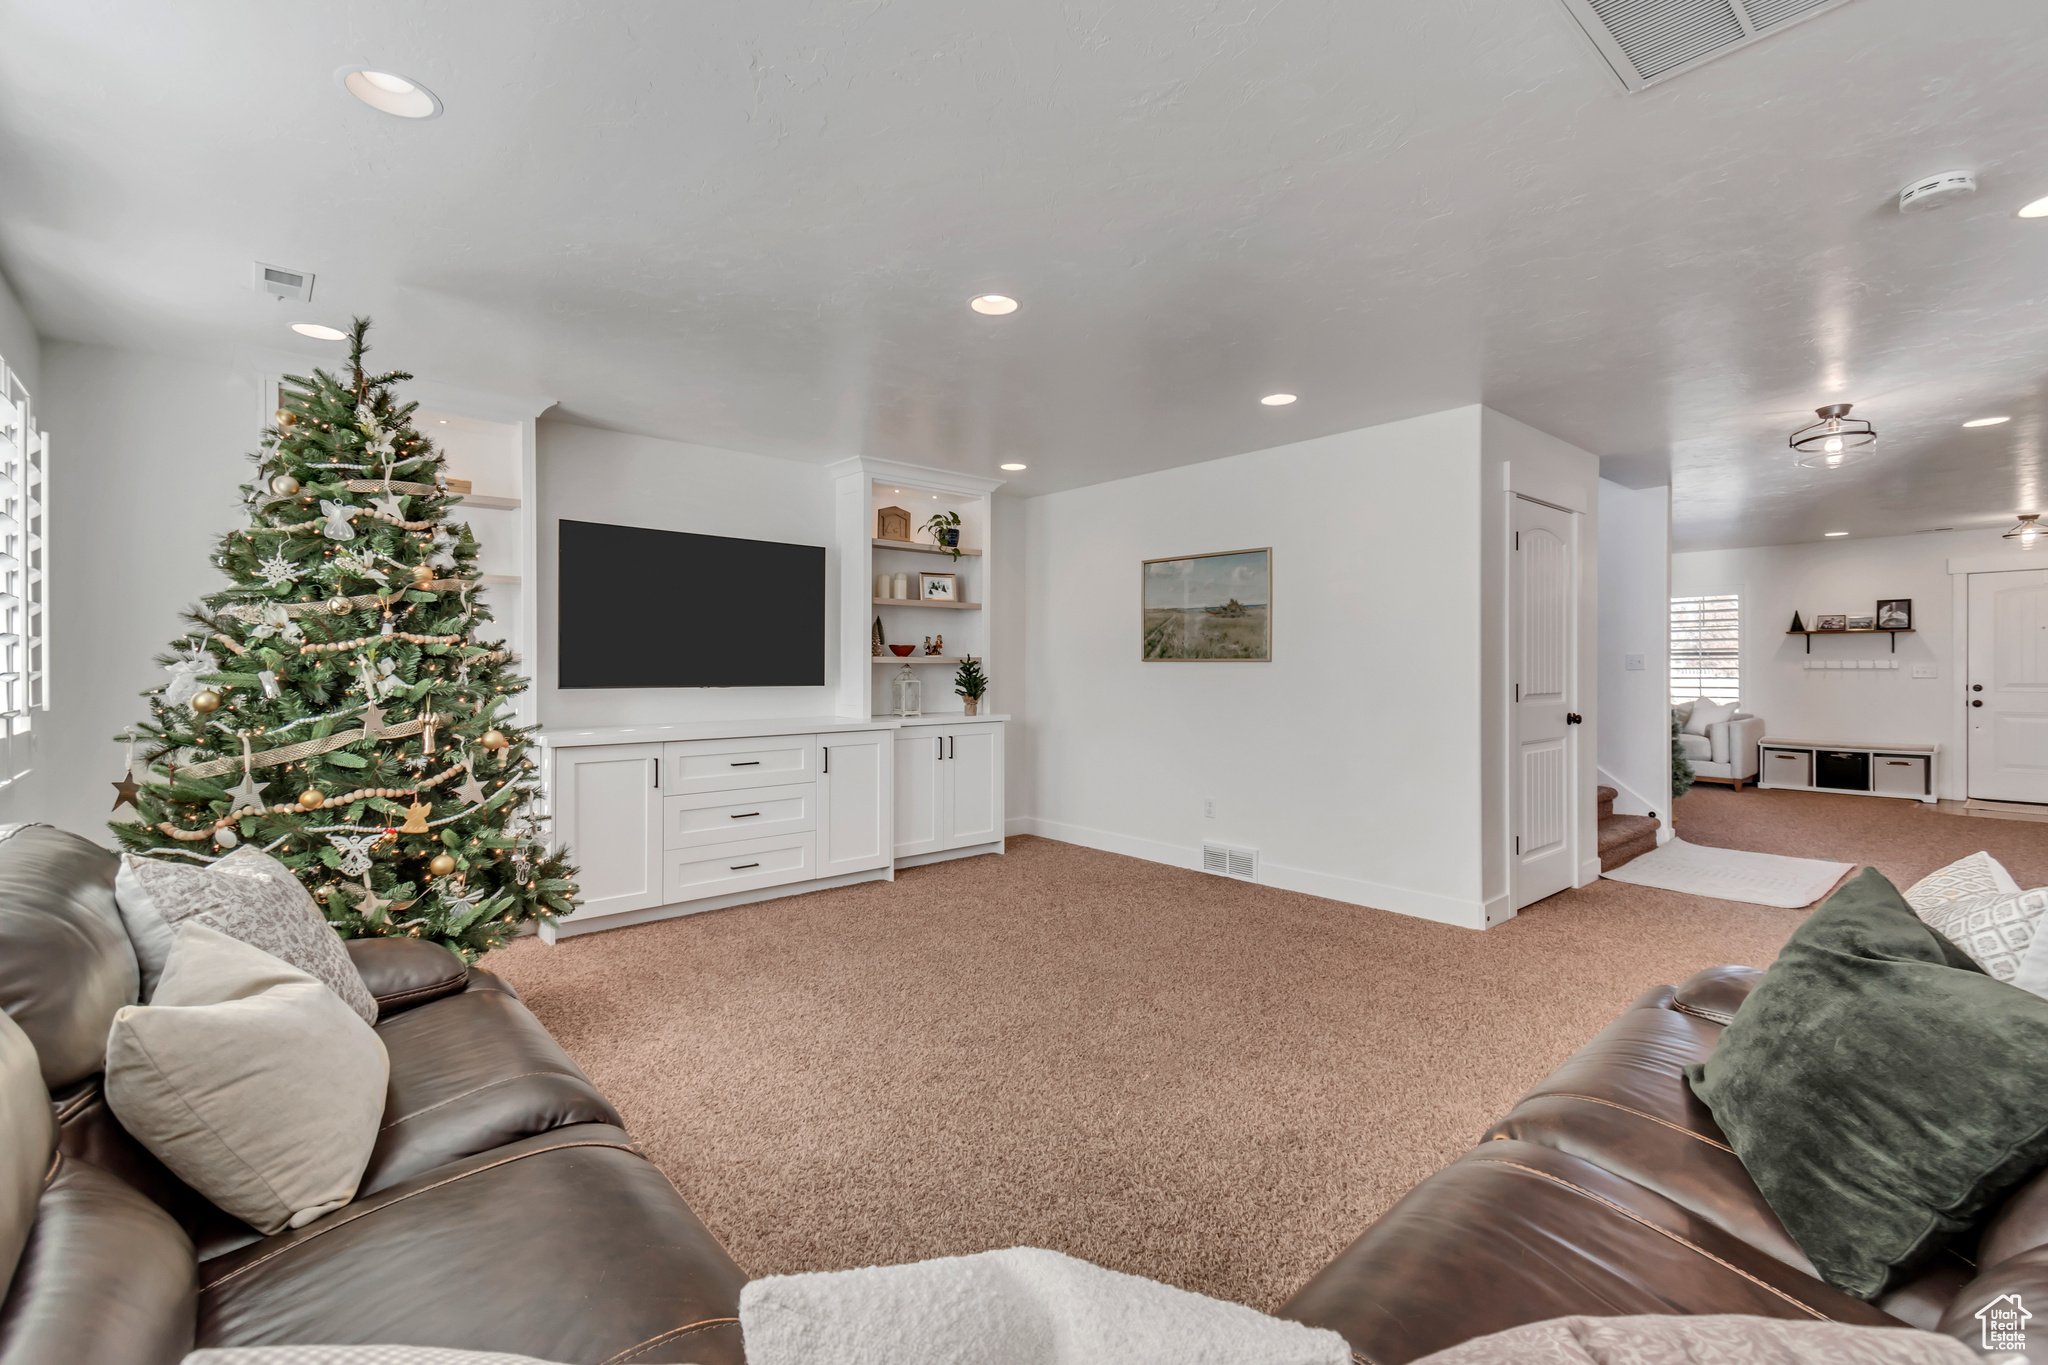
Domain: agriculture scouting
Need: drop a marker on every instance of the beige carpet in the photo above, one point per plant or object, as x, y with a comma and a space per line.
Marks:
1211, 1083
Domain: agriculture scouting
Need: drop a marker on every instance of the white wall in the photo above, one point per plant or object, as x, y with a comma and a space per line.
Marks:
1356, 760
20, 346
1635, 618
587, 474
1849, 576
147, 453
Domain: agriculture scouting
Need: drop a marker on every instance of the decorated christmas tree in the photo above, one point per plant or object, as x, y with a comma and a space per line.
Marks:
333, 705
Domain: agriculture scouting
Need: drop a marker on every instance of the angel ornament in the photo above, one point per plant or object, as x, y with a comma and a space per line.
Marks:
355, 851
337, 515
185, 676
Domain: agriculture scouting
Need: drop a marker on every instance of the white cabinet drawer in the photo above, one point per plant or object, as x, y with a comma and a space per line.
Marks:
1788, 767
1899, 774
711, 765
715, 869
721, 817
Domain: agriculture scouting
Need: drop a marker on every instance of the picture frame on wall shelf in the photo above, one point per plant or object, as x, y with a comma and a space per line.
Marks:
1862, 623
1895, 613
938, 587
1207, 608
1830, 623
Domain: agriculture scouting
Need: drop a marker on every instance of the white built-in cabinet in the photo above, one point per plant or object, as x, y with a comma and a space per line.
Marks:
669, 826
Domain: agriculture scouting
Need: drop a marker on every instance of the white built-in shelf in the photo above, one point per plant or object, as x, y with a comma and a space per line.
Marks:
510, 580
881, 544
490, 500
920, 602
921, 659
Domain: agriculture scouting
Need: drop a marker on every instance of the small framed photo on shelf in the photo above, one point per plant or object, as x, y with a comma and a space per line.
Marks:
1862, 623
1830, 623
1895, 613
938, 587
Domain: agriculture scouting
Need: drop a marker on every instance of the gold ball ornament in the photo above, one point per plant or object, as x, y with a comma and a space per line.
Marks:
493, 740
338, 605
312, 798
441, 865
287, 418
284, 485
422, 573
206, 702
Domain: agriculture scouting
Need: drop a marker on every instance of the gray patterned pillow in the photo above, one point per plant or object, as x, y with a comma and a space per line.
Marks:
1994, 927
247, 895
1971, 876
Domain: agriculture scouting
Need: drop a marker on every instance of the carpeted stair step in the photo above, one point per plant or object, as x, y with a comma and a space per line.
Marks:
1624, 838
1606, 795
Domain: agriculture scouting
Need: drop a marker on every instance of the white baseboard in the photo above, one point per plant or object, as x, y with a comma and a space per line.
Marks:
570, 928
1589, 868
1630, 796
1351, 890
949, 854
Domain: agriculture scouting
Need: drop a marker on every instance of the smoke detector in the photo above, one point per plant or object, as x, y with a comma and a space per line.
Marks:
1932, 191
281, 283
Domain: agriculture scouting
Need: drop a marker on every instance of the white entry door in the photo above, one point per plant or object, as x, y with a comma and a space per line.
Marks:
1543, 629
2008, 686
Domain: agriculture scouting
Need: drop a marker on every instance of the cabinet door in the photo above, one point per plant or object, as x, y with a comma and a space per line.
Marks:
855, 799
973, 785
607, 815
918, 777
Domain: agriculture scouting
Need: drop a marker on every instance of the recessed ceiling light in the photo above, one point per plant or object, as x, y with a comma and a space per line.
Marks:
2037, 209
318, 332
1013, 467
995, 305
1834, 533
388, 93
444, 421
1986, 421
1277, 400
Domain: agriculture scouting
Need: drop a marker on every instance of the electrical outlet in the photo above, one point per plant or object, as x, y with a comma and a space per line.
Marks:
1208, 808
1632, 663
1926, 671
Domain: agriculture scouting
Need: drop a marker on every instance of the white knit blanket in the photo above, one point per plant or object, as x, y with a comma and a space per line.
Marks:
1024, 1306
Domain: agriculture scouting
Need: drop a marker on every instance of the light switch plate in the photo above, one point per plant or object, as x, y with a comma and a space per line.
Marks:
1632, 663
1926, 671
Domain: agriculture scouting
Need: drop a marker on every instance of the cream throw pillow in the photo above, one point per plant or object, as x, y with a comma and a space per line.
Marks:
247, 895
1996, 928
249, 1079
1972, 876
1705, 713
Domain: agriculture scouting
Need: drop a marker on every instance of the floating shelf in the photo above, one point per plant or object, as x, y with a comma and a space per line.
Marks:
490, 500
510, 580
921, 659
881, 544
1875, 630
920, 602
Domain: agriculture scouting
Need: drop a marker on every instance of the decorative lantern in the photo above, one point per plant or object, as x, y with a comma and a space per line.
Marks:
905, 692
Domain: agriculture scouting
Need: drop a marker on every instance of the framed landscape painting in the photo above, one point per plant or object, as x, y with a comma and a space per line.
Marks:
1214, 608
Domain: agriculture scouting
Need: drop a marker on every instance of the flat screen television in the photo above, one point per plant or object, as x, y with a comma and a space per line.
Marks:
646, 608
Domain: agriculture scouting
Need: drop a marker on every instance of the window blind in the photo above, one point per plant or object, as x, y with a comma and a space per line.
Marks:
24, 662
1706, 648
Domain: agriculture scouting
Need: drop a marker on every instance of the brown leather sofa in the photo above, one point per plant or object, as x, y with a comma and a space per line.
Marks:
504, 1207
1608, 1190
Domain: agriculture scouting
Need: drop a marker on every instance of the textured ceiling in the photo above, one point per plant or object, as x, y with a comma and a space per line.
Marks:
756, 225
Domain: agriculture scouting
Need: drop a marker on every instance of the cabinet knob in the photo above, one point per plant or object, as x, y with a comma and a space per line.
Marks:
1976, 703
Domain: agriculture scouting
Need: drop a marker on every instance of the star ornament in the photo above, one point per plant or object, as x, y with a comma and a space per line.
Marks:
125, 791
249, 793
471, 790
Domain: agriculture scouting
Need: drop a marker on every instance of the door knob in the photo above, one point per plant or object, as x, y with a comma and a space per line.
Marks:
1573, 718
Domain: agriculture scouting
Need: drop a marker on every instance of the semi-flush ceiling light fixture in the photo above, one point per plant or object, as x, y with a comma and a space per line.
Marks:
1986, 421
1832, 534
1834, 440
319, 332
995, 305
388, 93
1277, 400
2037, 209
2027, 532
1013, 468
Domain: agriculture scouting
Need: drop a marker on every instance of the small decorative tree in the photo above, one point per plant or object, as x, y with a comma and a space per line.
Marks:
333, 705
1681, 766
970, 682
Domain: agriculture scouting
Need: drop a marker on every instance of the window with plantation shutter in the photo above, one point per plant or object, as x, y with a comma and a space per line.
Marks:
1706, 648
24, 662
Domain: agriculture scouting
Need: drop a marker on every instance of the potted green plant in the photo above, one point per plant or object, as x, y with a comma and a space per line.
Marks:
944, 529
970, 682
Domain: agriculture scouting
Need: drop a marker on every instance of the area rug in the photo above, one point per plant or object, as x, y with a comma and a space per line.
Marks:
1730, 874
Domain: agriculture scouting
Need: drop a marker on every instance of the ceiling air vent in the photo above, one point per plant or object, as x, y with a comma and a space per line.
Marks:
1224, 861
1646, 41
281, 283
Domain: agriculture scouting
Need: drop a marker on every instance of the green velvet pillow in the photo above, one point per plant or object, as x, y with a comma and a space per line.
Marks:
1882, 1091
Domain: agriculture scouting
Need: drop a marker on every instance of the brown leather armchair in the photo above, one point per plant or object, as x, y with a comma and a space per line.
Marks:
504, 1208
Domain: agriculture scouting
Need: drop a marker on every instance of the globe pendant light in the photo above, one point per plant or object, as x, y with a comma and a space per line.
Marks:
1835, 440
2028, 531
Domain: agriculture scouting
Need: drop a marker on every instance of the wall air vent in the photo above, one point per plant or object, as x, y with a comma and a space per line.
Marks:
1224, 861
1646, 41
281, 283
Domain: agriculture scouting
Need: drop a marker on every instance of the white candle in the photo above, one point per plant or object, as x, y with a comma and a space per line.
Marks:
901, 587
